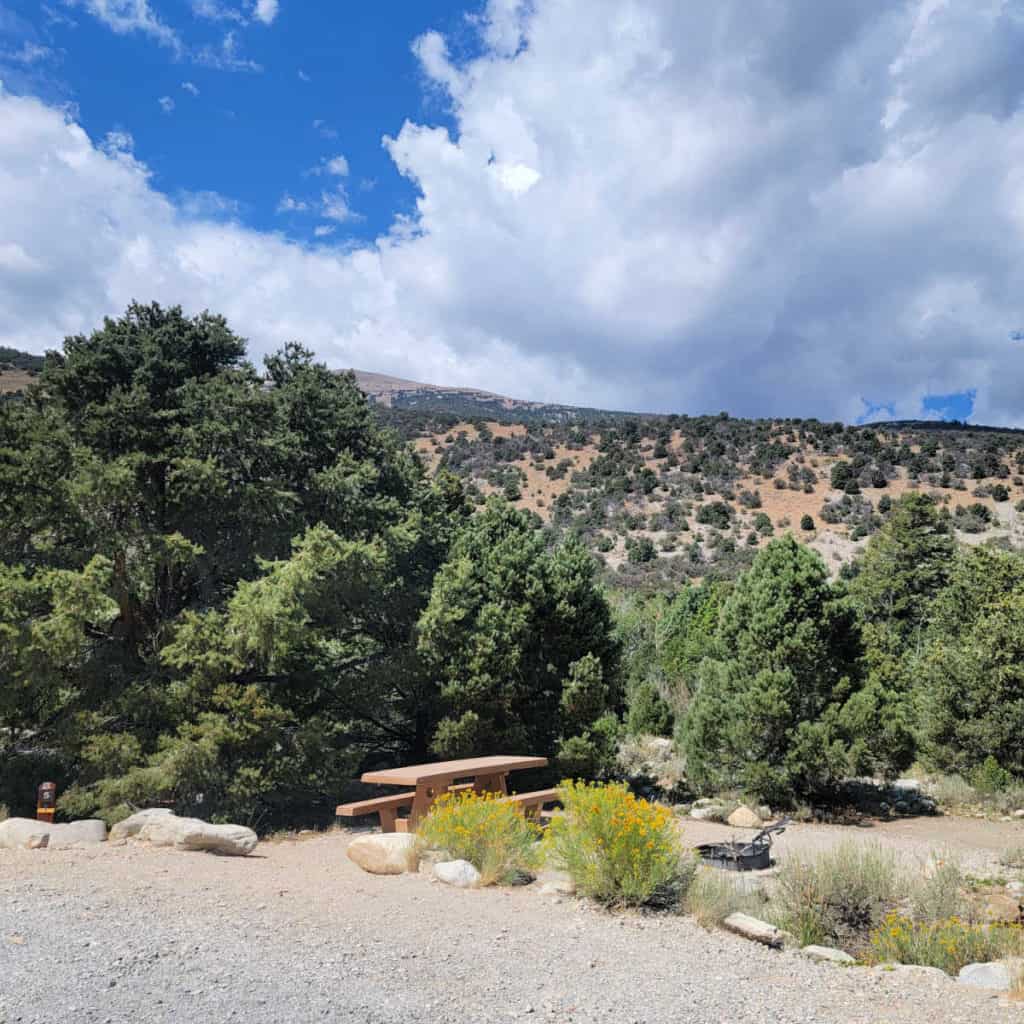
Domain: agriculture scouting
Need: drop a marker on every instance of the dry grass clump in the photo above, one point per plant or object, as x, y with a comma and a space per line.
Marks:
941, 894
839, 896
713, 895
4, 813
954, 791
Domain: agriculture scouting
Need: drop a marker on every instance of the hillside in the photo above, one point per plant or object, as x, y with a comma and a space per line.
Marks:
662, 499
17, 370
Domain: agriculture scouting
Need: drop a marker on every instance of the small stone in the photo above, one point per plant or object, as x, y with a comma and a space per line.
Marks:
1019, 814
744, 817
834, 956
994, 976
556, 883
392, 853
459, 873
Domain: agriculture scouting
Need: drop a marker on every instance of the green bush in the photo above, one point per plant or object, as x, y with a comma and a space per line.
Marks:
491, 834
990, 777
619, 850
806, 522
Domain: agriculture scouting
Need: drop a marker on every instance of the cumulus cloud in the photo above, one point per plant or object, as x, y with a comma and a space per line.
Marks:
226, 57
289, 204
166, 104
643, 204
190, 87
265, 11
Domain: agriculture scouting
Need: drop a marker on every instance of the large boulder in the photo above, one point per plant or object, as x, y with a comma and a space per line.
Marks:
195, 834
133, 825
87, 832
24, 834
993, 975
744, 817
391, 853
459, 873
828, 954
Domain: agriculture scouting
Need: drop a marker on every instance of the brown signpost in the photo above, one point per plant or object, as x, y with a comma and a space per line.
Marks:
46, 802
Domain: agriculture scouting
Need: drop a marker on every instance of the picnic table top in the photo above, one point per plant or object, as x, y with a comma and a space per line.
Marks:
414, 774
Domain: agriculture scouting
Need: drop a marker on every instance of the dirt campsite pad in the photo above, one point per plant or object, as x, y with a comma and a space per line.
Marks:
296, 932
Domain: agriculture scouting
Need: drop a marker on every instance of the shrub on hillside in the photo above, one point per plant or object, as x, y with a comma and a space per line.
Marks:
806, 523
619, 850
492, 835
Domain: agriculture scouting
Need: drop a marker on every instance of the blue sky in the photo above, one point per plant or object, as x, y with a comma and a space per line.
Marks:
323, 79
663, 205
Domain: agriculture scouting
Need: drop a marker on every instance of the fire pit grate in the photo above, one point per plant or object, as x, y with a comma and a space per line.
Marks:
753, 855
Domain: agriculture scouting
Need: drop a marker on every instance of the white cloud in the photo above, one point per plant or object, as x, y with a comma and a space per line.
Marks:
190, 87
265, 11
29, 53
334, 206
166, 104
643, 204
216, 11
125, 16
303, 77
323, 230
226, 57
325, 130
289, 204
337, 165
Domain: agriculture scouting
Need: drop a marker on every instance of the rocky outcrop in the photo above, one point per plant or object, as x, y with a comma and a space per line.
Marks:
997, 976
392, 853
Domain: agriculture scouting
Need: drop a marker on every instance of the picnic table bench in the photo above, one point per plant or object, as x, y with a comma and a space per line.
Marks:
429, 781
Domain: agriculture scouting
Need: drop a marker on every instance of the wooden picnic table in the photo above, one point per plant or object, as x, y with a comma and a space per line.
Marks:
429, 781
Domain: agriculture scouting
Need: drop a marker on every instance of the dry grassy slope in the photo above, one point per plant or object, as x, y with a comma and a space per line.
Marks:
785, 508
12, 381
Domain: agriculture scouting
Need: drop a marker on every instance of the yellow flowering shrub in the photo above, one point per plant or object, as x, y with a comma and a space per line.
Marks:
948, 945
618, 849
493, 836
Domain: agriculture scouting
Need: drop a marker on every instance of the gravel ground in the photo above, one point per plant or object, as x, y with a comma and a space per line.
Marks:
298, 933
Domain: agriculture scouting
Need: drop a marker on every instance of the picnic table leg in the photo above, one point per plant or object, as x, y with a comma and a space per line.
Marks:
388, 816
492, 784
422, 802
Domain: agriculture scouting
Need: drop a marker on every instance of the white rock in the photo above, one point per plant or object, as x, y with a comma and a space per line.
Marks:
759, 931
834, 956
133, 825
459, 873
706, 801
744, 817
908, 785
24, 834
1019, 814
918, 970
990, 975
87, 832
392, 853
704, 813
195, 834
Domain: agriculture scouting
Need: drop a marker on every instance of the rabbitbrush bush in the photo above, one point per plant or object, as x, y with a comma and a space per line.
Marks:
619, 850
492, 835
948, 945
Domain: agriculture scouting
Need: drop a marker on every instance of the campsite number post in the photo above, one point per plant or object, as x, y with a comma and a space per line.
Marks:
46, 802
